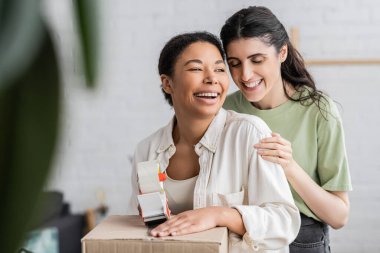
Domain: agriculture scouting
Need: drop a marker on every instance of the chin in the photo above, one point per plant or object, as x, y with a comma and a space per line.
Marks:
208, 113
252, 99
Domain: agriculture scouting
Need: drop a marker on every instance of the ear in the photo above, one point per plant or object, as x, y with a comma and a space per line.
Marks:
166, 84
283, 53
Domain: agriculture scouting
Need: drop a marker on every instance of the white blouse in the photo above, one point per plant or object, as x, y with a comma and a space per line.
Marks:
233, 174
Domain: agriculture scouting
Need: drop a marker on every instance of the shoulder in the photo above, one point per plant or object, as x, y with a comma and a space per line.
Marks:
152, 142
331, 107
323, 106
327, 110
242, 120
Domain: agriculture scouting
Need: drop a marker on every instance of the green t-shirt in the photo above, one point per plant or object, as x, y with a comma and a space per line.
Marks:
317, 140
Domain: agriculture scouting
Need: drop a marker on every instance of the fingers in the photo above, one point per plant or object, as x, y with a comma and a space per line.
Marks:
173, 226
163, 229
188, 229
188, 222
276, 138
275, 149
181, 228
276, 159
276, 152
276, 142
273, 146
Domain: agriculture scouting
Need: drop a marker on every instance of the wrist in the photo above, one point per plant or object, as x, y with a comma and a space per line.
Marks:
225, 215
291, 170
221, 219
220, 216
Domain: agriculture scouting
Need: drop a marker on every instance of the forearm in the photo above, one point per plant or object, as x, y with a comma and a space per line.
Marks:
332, 208
230, 218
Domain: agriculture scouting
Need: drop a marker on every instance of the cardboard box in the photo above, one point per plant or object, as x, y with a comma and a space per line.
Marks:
124, 234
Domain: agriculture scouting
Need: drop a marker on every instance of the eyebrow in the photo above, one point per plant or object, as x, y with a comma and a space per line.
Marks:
200, 62
248, 57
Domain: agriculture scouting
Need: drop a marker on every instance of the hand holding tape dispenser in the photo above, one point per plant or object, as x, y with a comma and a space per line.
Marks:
152, 198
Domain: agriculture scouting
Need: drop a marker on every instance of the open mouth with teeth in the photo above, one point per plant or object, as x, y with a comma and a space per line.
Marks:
207, 95
253, 84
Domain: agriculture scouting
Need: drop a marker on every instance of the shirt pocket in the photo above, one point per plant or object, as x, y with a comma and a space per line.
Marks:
230, 199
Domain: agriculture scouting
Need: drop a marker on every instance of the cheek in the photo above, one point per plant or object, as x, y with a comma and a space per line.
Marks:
235, 74
269, 72
186, 83
226, 82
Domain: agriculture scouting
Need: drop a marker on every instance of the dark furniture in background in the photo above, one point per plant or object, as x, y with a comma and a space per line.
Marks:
56, 213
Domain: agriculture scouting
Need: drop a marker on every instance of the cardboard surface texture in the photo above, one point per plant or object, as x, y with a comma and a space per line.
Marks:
124, 234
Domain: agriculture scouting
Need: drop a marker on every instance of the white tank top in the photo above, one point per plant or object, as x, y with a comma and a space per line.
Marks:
180, 193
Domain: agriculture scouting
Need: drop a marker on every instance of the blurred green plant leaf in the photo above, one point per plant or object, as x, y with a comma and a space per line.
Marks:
29, 123
20, 37
86, 16
30, 107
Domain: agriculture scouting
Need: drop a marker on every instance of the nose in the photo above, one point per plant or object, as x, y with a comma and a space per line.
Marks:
246, 73
210, 78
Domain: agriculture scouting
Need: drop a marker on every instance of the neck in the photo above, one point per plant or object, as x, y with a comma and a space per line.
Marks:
189, 131
275, 97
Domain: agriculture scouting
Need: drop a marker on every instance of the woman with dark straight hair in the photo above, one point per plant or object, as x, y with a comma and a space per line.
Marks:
307, 139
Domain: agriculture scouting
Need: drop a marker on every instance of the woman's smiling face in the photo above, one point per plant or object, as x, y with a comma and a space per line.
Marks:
199, 83
256, 69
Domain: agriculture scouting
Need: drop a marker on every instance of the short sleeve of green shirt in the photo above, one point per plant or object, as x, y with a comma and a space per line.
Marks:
332, 159
317, 139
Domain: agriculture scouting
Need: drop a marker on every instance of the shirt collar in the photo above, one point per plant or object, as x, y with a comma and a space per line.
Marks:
212, 135
209, 139
167, 138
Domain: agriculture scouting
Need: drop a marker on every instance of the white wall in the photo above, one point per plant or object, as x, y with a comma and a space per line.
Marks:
101, 127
